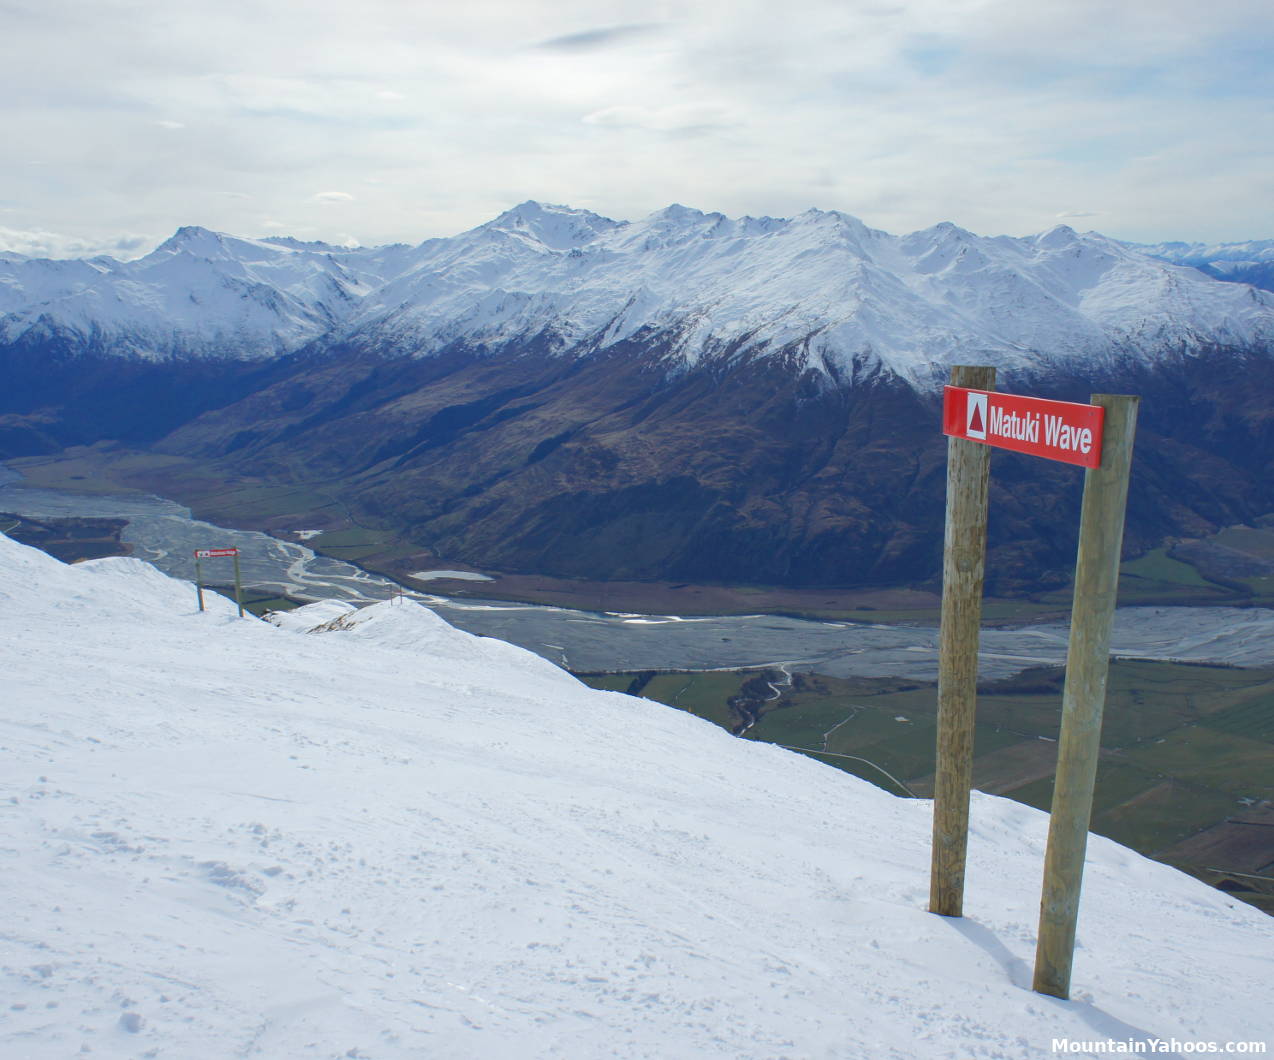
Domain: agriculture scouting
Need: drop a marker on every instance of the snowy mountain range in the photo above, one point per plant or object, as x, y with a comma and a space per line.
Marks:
821, 288
688, 397
368, 834
1251, 261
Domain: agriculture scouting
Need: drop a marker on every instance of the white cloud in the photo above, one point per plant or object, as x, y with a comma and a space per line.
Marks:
995, 114
42, 244
677, 117
600, 38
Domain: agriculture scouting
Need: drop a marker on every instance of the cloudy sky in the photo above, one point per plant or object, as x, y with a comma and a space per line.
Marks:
389, 120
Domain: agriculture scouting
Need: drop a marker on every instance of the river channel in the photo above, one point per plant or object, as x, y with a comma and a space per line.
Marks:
164, 533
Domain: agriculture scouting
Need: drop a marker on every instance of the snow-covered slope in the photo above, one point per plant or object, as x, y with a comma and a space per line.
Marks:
1249, 250
1250, 261
699, 286
391, 839
198, 294
821, 287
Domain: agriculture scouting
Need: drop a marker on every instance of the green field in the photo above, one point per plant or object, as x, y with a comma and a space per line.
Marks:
1186, 773
1158, 566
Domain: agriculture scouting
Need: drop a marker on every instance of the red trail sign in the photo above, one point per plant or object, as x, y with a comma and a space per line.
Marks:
1056, 430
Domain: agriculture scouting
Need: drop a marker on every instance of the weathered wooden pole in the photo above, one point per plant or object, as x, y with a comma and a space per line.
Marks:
963, 568
199, 582
1101, 532
238, 585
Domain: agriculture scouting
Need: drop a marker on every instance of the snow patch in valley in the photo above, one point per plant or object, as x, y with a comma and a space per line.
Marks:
456, 575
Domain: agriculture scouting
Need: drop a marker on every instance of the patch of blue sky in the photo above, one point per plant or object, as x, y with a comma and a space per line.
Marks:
1235, 68
931, 54
1085, 79
1099, 153
1234, 74
1135, 81
1229, 67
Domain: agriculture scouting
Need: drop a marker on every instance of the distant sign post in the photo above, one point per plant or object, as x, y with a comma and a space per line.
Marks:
216, 553
1098, 437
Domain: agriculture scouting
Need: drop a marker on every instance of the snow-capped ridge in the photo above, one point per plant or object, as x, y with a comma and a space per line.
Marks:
676, 214
315, 245
193, 239
1248, 250
198, 294
821, 288
552, 226
1058, 237
1247, 262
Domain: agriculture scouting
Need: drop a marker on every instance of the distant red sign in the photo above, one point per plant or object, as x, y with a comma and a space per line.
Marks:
1055, 430
213, 553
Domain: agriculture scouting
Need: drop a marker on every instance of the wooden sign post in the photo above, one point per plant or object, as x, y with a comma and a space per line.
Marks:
1101, 534
1099, 437
199, 578
963, 568
214, 553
